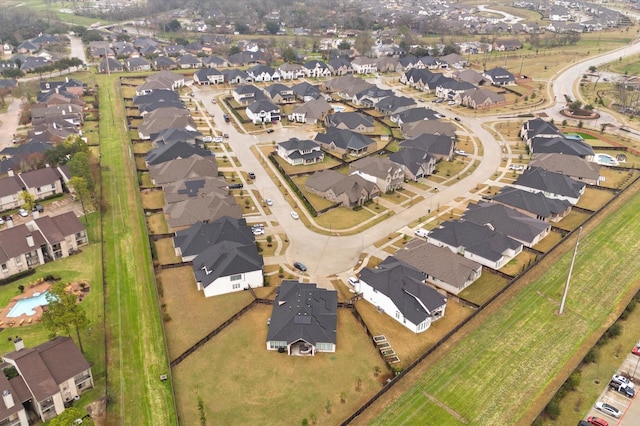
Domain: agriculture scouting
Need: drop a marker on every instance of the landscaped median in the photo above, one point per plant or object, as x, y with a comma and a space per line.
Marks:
504, 370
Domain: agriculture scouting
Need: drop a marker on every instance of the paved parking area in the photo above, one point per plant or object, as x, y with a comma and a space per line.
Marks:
53, 208
630, 407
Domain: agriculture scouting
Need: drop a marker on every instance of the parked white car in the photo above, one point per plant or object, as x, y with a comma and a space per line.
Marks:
461, 153
269, 201
608, 409
218, 139
622, 380
422, 232
295, 215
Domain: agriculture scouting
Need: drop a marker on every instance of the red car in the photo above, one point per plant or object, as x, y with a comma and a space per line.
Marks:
597, 421
636, 350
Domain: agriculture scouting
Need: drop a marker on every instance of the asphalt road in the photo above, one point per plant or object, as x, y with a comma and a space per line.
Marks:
9, 123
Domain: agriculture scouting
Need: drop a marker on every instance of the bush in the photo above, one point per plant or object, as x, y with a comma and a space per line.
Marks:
591, 357
553, 408
17, 276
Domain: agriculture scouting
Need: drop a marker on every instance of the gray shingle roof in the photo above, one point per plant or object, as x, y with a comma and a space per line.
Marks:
302, 311
561, 145
173, 151
226, 258
344, 139
349, 119
550, 182
200, 236
404, 285
535, 203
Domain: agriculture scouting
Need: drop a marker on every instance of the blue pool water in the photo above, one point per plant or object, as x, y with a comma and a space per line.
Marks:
337, 108
606, 160
27, 306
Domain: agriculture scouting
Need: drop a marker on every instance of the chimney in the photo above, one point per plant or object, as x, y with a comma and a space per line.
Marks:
18, 343
10, 172
66, 79
30, 241
7, 398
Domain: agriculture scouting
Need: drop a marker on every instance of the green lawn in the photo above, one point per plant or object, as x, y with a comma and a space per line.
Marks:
136, 347
524, 345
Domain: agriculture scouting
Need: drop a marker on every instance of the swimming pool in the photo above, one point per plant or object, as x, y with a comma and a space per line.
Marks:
606, 159
28, 305
337, 108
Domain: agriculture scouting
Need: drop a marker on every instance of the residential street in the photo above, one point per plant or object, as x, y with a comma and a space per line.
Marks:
9, 123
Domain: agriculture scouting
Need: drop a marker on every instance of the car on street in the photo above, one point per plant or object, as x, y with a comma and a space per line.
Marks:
270, 130
213, 100
23, 213
608, 409
226, 135
457, 118
251, 175
622, 380
218, 139
295, 215
300, 266
438, 101
451, 103
226, 118
597, 421
269, 201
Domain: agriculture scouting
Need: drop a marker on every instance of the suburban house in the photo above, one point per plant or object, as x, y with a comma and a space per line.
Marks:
414, 114
350, 191
470, 76
538, 128
354, 121
441, 267
561, 145
208, 76
399, 291
38, 241
177, 135
201, 187
551, 184
347, 86
519, 226
507, 45
449, 88
50, 375
430, 127
10, 189
316, 69
480, 243
345, 141
188, 61
247, 94
189, 243
161, 119
109, 65
289, 71
533, 204
306, 92
439, 146
393, 104
340, 66
173, 151
363, 65
182, 214
228, 266
575, 167
370, 96
479, 98
137, 64
499, 77
304, 319
263, 73
236, 76
183, 168
387, 175
263, 111
300, 151
415, 162
280, 94
311, 111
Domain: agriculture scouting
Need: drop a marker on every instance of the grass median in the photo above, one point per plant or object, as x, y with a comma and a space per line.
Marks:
136, 349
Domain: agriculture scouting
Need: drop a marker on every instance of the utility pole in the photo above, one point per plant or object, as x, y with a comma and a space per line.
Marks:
566, 286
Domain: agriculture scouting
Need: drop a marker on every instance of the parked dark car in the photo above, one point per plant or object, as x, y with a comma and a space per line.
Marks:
38, 208
235, 186
299, 266
251, 175
270, 130
226, 118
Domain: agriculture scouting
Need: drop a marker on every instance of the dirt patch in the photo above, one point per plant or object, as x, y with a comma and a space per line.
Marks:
98, 411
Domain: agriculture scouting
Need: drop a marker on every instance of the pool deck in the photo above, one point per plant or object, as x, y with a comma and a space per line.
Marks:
23, 319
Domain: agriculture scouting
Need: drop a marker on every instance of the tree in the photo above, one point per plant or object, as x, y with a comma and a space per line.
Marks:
289, 55
233, 50
28, 200
69, 416
344, 45
64, 313
172, 26
363, 43
79, 186
79, 166
272, 26
241, 28
181, 40
450, 48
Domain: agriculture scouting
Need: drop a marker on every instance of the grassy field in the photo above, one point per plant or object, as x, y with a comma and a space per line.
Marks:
241, 383
524, 344
136, 349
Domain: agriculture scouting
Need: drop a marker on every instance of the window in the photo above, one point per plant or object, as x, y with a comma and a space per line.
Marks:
236, 277
235, 286
18, 261
398, 314
4, 268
